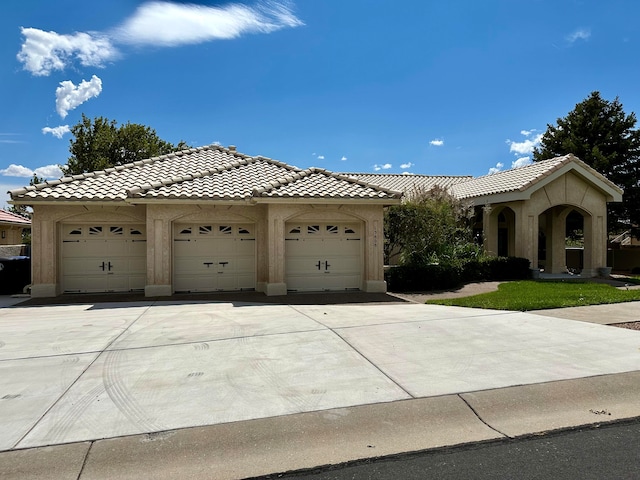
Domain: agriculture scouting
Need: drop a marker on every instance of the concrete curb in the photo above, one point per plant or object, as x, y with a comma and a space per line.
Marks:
303, 441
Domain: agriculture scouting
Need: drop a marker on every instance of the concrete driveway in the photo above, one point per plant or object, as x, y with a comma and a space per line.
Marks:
71, 373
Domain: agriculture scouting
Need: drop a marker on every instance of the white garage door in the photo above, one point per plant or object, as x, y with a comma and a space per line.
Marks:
214, 257
323, 256
103, 258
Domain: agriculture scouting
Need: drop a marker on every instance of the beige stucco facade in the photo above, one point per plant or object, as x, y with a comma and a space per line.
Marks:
269, 219
543, 214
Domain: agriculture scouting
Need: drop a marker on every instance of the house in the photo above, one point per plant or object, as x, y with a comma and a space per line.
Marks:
523, 212
206, 219
11, 228
211, 219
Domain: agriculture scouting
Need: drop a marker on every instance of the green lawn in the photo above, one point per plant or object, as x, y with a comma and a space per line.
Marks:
530, 295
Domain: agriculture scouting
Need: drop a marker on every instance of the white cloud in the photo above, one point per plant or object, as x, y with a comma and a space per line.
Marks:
404, 166
525, 147
43, 52
521, 162
154, 23
68, 96
579, 34
170, 24
16, 171
437, 142
526, 133
57, 132
49, 171
385, 166
498, 168
320, 157
9, 138
344, 159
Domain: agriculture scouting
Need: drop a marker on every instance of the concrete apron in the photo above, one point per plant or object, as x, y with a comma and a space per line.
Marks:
81, 373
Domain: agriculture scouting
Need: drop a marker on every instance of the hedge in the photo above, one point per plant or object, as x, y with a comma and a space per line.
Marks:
406, 278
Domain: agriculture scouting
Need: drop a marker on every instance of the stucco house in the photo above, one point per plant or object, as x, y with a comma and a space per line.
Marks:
11, 228
211, 219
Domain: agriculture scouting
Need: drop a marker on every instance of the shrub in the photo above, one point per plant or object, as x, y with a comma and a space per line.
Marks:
407, 278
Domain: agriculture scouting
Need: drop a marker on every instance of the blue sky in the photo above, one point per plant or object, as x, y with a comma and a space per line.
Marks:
459, 87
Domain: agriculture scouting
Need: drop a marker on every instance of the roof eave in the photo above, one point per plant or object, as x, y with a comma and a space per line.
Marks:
332, 201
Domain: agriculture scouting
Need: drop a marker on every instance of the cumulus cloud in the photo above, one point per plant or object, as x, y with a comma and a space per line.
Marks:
49, 171
154, 23
344, 159
57, 132
172, 24
437, 142
579, 34
320, 157
498, 168
521, 162
385, 166
43, 52
404, 166
527, 146
69, 96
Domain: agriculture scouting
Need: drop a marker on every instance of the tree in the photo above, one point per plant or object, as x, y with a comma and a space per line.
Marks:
100, 144
600, 133
432, 226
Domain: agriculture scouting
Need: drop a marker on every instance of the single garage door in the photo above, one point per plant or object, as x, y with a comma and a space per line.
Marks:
103, 258
323, 256
214, 257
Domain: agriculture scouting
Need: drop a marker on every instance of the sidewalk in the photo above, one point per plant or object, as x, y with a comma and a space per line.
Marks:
201, 389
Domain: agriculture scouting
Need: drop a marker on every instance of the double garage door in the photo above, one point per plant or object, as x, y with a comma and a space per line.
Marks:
103, 258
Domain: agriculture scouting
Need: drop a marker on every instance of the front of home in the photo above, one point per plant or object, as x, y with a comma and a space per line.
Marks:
212, 219
204, 220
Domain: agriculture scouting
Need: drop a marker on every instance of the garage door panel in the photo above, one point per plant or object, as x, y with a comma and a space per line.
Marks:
323, 257
216, 257
103, 258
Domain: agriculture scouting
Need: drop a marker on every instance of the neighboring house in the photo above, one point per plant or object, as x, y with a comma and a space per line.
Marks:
206, 219
211, 219
11, 228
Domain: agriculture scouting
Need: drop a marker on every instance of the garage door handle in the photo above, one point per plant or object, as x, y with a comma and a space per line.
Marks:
326, 265
109, 265
102, 266
318, 264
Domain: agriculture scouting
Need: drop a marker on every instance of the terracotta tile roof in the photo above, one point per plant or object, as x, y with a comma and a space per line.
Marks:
320, 183
212, 172
405, 182
516, 179
12, 218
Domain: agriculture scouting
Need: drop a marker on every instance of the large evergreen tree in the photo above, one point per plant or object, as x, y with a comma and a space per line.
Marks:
600, 133
101, 143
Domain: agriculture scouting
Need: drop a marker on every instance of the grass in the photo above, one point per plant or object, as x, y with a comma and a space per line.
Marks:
529, 295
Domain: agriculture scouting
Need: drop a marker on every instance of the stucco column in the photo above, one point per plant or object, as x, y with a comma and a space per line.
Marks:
374, 253
159, 247
44, 255
489, 231
556, 242
527, 238
275, 248
592, 244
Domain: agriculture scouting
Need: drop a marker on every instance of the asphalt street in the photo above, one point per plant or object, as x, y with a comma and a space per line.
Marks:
607, 452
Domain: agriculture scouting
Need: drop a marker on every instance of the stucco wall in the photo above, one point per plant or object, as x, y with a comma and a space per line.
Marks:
269, 219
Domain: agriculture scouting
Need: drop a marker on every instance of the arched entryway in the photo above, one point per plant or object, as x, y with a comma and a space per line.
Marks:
565, 240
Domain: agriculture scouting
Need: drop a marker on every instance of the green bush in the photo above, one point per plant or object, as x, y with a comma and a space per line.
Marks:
407, 278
